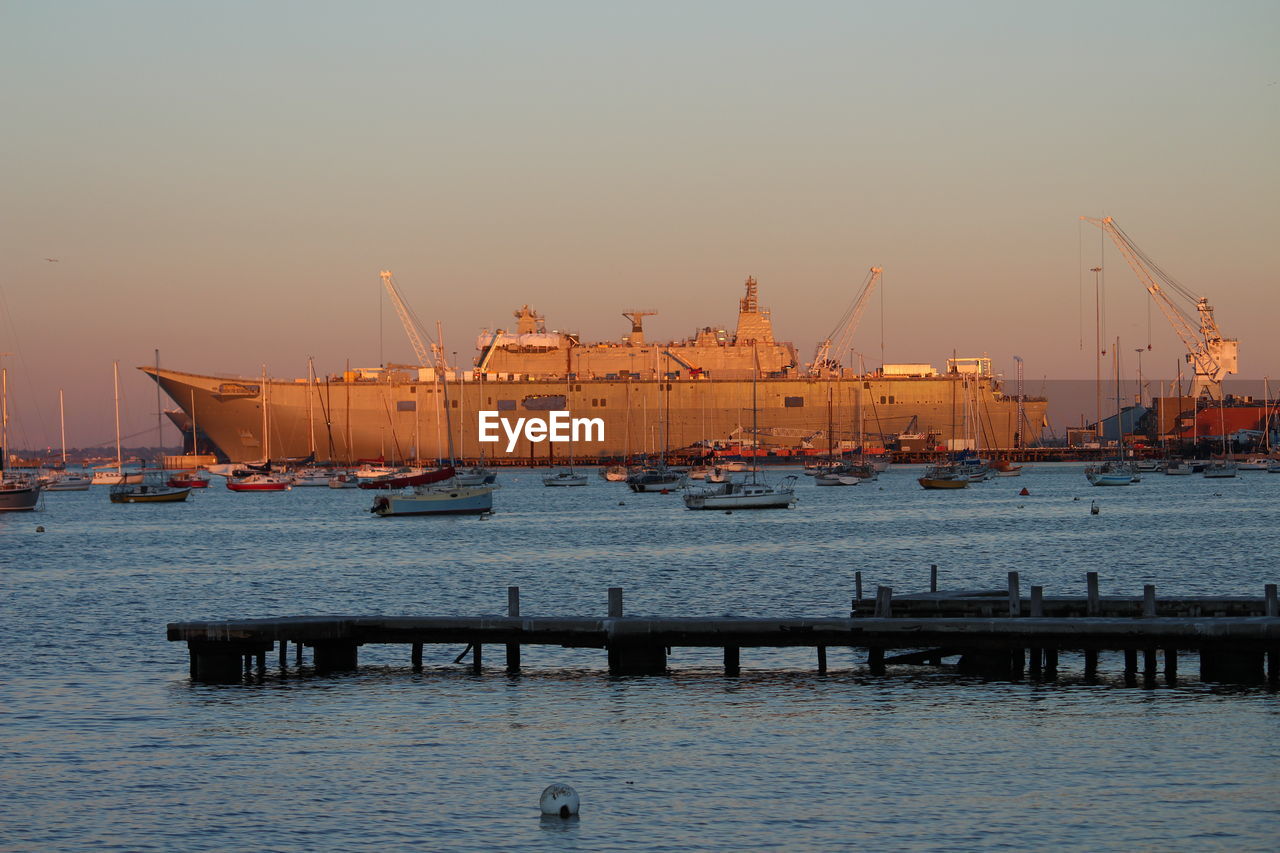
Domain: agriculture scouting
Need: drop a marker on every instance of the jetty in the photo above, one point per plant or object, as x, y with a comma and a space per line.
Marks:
999, 633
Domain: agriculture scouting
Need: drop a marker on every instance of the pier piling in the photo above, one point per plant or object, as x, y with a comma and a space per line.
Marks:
513, 609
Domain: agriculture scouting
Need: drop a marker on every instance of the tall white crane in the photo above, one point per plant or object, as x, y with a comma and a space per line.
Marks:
426, 358
1211, 355
827, 356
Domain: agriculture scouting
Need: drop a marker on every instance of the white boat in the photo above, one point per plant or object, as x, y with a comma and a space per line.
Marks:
116, 476
1254, 463
68, 481
436, 500
1273, 467
64, 480
344, 480
835, 477
311, 477
1220, 468
698, 472
565, 477
749, 495
1178, 468
614, 473
730, 496
1110, 474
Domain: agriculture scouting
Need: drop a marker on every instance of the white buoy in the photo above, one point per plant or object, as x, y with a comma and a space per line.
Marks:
559, 800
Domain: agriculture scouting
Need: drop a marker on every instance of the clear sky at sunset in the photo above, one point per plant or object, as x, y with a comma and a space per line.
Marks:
223, 181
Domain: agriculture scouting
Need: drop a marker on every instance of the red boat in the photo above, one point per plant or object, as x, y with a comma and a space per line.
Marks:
188, 480
260, 483
400, 481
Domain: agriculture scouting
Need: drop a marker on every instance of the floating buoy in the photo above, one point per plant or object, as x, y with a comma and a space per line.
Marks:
622, 503
39, 528
665, 492
728, 512
1024, 491
559, 800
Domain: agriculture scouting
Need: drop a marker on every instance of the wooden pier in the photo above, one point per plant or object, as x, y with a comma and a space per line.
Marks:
998, 633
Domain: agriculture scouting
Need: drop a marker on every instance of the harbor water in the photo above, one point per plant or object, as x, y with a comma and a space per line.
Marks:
107, 744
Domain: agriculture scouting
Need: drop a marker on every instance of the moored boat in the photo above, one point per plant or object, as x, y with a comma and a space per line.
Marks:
565, 477
68, 481
188, 480
751, 495
18, 492
442, 499
943, 476
260, 483
1114, 473
152, 490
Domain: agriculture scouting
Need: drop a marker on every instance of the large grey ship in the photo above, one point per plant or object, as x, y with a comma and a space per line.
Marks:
650, 397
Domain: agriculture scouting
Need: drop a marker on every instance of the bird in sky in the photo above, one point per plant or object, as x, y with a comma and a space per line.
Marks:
52, 260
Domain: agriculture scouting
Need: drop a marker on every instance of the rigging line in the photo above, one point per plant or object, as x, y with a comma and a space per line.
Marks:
1080, 277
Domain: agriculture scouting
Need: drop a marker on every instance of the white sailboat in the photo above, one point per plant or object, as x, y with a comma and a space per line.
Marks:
106, 476
64, 480
749, 495
1116, 472
447, 497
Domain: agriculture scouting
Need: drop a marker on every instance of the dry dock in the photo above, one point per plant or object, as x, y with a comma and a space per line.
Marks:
1001, 633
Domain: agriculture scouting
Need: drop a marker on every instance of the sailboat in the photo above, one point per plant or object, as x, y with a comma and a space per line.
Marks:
1116, 472
752, 494
106, 476
566, 476
657, 477
447, 497
64, 480
1226, 466
18, 491
151, 487
834, 472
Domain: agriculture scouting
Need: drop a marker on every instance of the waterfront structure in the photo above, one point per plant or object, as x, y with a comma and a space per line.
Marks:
651, 397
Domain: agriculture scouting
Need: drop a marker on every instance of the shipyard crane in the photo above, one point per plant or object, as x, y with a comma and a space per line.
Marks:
411, 325
1211, 356
827, 356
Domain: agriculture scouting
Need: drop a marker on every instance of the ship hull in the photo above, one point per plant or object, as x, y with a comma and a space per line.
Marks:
401, 418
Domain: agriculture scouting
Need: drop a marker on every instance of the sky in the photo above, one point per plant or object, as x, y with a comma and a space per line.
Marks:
224, 182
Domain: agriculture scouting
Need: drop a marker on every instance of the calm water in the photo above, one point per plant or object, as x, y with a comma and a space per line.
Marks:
106, 744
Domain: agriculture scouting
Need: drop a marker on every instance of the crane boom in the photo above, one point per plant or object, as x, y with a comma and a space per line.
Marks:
1211, 355
827, 356
425, 357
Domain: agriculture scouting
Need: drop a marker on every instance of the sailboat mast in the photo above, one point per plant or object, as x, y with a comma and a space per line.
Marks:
195, 441
266, 435
159, 422
115, 365
62, 422
444, 381
311, 420
4, 416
